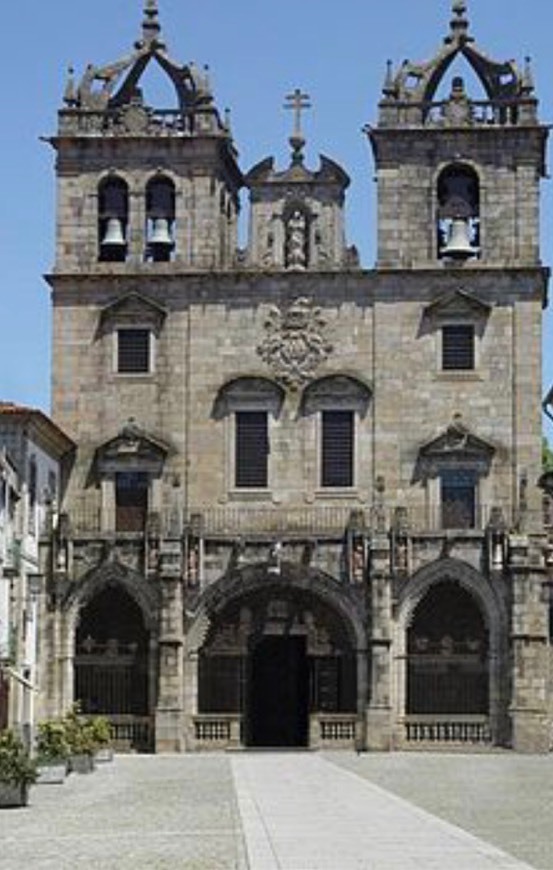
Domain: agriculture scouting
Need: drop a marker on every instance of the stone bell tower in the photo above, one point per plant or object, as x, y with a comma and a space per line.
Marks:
145, 194
147, 209
140, 185
458, 324
458, 178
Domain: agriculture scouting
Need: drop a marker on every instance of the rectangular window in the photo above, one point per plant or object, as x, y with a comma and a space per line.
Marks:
458, 496
337, 448
458, 347
133, 351
251, 449
131, 501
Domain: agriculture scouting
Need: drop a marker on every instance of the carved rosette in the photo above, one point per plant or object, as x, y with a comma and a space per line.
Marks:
295, 343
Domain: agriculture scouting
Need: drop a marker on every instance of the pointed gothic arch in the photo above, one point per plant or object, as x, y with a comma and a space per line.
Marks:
111, 624
113, 574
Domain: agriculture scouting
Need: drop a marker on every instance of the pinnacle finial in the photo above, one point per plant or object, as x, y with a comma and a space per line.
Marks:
70, 94
150, 23
459, 23
389, 88
528, 76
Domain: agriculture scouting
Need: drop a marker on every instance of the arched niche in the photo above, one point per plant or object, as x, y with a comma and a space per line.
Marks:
113, 218
160, 218
458, 212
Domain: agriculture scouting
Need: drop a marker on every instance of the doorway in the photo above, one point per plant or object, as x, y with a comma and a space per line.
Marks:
278, 693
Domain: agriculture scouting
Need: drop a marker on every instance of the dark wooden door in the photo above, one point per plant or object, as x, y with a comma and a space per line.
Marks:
278, 696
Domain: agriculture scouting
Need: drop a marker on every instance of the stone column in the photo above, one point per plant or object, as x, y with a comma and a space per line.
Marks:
379, 711
170, 698
530, 652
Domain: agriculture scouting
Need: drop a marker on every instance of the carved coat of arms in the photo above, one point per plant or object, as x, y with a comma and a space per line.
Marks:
295, 343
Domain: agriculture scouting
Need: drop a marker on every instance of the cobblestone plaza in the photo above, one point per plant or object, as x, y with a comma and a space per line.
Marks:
290, 811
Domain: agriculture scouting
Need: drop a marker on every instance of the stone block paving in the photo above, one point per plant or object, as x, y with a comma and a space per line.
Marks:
290, 811
303, 812
138, 812
503, 798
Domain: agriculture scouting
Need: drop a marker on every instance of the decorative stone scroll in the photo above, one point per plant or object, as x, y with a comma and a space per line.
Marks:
295, 343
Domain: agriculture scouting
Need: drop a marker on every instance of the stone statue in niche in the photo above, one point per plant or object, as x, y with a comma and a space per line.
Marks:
296, 241
268, 253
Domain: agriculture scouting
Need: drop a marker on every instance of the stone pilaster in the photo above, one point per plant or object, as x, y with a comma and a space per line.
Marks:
379, 711
170, 704
529, 637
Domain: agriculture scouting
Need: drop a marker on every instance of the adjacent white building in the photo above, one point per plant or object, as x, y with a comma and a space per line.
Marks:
33, 451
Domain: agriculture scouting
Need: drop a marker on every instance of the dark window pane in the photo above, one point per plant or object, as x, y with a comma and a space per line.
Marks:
458, 500
131, 501
337, 448
252, 449
133, 350
458, 347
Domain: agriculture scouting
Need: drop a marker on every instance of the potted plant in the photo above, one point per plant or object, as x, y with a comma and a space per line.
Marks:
101, 734
80, 738
17, 771
52, 751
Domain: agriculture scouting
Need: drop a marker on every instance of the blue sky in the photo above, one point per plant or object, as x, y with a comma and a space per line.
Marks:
257, 53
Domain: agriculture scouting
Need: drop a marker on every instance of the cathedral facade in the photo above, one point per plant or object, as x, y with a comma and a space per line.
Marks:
304, 507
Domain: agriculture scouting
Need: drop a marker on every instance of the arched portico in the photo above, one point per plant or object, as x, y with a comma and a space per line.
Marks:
283, 653
109, 631
450, 647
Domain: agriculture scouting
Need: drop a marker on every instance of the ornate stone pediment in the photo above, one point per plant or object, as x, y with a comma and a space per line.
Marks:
131, 309
456, 446
132, 449
457, 305
295, 343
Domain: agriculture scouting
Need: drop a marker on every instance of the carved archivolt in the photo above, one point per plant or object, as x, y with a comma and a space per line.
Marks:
295, 343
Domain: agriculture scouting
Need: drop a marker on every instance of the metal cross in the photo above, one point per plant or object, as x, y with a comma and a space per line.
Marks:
298, 102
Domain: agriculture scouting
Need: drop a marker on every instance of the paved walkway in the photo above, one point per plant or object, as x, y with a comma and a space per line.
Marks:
302, 812
290, 811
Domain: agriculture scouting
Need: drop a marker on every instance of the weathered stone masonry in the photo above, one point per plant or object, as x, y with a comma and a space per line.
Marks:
304, 508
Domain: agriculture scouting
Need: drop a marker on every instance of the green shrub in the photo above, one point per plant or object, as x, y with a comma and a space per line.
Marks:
101, 731
79, 733
16, 767
51, 742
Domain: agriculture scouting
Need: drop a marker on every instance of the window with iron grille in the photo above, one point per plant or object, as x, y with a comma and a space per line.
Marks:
458, 347
133, 351
131, 501
251, 449
337, 448
458, 496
